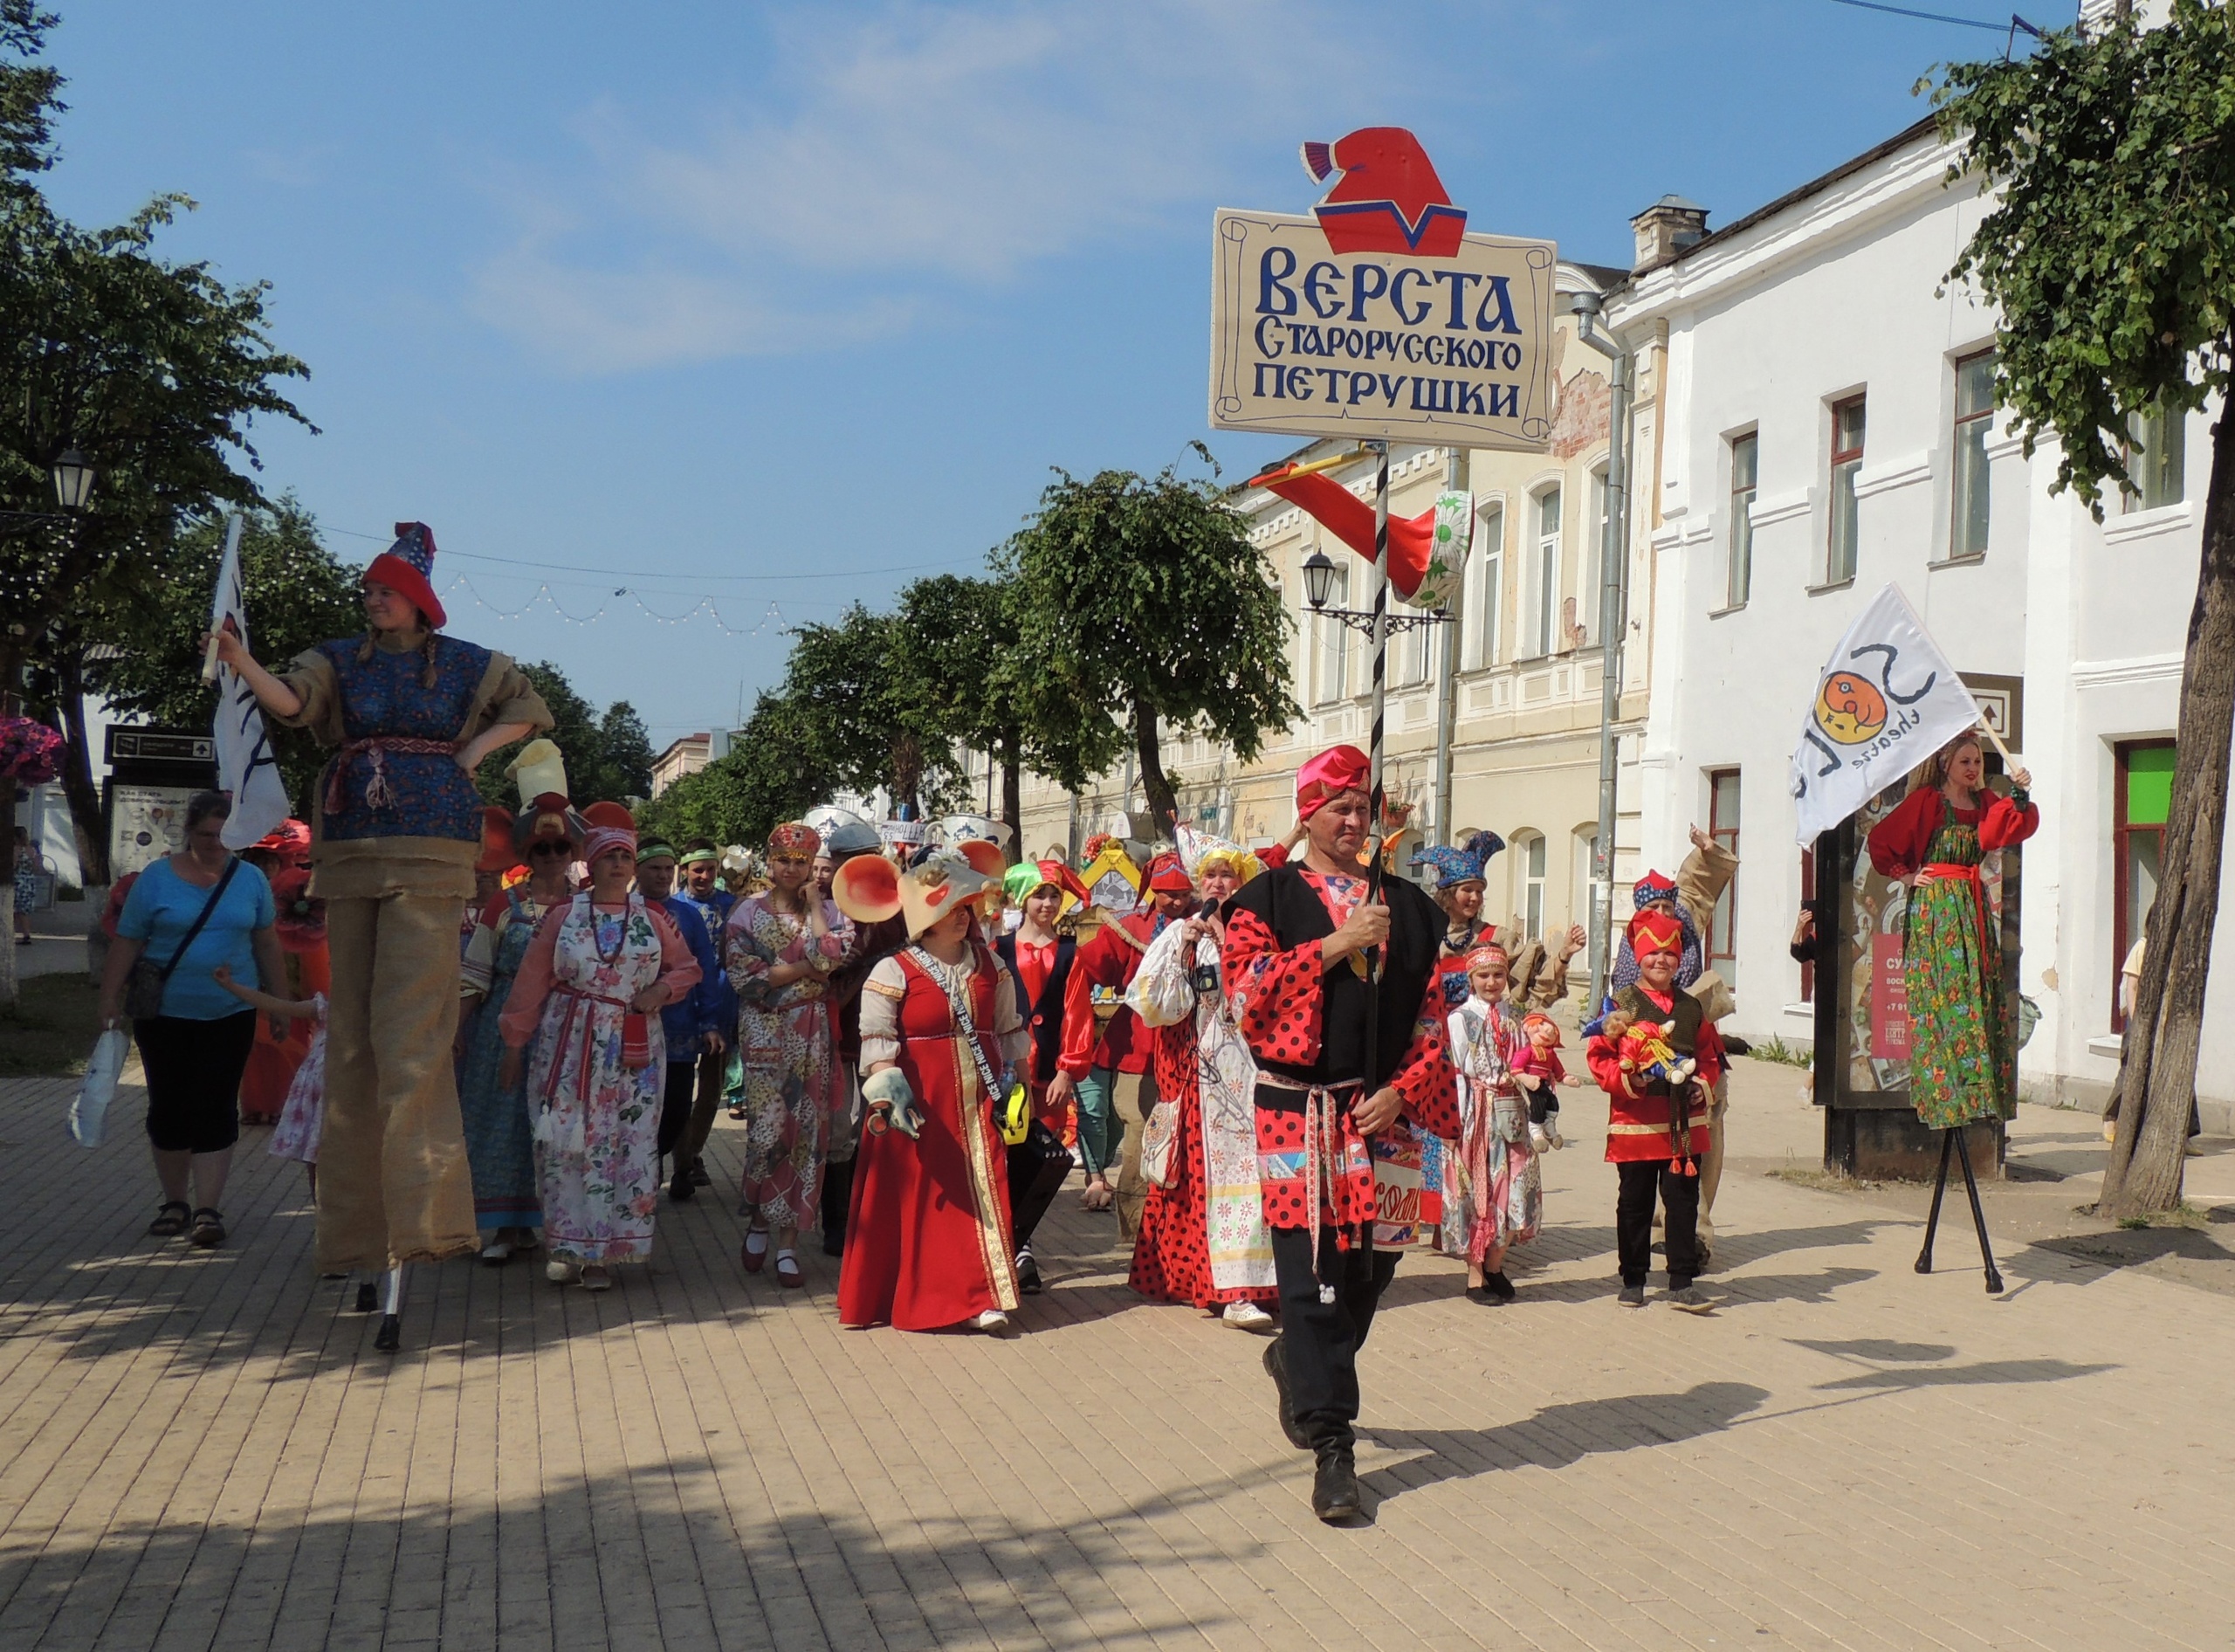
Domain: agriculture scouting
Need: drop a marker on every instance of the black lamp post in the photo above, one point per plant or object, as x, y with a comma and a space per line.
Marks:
1319, 582
73, 480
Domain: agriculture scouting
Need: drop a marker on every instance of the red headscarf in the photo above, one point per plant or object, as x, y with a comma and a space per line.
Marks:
1337, 770
1169, 876
1655, 932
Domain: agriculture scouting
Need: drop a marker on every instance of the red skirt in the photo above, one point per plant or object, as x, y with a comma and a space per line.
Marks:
1172, 1258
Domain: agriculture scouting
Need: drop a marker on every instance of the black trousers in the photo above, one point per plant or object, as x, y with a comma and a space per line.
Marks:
194, 1071
1037, 1167
675, 1104
1680, 1196
1320, 1340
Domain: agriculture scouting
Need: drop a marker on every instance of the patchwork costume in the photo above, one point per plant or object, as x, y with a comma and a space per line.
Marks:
399, 831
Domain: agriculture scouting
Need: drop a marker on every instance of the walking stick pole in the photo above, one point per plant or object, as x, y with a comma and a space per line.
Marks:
1939, 1187
1978, 1213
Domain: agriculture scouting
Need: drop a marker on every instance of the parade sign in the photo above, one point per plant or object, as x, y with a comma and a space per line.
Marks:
1887, 700
1379, 316
247, 770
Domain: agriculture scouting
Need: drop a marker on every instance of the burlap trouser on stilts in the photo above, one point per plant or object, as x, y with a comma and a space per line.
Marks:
393, 1184
1711, 1161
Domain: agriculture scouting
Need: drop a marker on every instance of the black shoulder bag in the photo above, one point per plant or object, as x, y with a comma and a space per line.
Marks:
143, 987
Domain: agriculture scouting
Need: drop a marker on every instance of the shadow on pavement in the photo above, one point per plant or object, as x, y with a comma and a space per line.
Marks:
1557, 1436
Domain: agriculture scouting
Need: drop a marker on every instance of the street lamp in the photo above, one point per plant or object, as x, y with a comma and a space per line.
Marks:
1318, 579
1318, 585
73, 480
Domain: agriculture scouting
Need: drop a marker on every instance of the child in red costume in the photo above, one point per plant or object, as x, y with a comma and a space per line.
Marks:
1654, 1136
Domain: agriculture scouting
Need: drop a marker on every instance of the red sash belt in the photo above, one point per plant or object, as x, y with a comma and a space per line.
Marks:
635, 1035
1952, 871
378, 794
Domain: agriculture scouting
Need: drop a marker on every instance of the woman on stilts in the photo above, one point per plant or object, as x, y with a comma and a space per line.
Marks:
1963, 1053
588, 996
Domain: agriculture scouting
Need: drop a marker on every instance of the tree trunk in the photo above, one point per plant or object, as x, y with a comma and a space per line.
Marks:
2158, 1067
1013, 793
8, 896
1163, 806
78, 781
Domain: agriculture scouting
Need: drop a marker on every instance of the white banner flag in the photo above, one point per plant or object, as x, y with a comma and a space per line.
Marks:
246, 769
1887, 700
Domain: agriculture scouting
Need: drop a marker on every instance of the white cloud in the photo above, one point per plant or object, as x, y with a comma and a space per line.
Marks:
915, 149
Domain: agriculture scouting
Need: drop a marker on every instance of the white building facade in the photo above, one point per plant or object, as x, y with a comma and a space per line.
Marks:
1828, 428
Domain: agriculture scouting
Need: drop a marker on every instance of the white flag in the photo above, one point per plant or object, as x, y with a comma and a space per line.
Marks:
247, 772
1887, 700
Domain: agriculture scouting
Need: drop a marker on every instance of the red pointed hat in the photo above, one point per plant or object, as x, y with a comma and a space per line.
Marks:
1652, 932
406, 566
1168, 875
1337, 770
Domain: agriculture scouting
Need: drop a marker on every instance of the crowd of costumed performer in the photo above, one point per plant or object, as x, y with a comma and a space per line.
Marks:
412, 712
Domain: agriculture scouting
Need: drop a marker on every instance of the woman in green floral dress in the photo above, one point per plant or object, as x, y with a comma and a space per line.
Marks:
1962, 1057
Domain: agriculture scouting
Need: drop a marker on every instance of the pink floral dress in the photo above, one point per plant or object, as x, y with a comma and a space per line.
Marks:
784, 1044
596, 1119
296, 1136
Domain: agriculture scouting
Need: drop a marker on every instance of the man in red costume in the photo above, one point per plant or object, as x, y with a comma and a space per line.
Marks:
1311, 963
1658, 1129
1105, 1067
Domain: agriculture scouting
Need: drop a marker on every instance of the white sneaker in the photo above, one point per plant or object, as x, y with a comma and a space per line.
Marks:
497, 1252
992, 1322
562, 1271
1540, 1140
1247, 1316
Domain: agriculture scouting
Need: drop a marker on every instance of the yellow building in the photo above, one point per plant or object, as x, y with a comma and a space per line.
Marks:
1516, 675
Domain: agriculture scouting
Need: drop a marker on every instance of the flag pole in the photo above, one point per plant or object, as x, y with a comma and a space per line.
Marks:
217, 599
1380, 633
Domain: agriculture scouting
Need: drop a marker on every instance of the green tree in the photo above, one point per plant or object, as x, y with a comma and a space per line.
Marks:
155, 370
871, 728
1143, 595
2110, 252
628, 745
771, 773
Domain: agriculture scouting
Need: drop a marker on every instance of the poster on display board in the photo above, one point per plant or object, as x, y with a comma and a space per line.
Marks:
146, 822
1379, 316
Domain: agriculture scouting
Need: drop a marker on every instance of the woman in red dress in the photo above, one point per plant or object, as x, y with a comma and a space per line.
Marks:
927, 1242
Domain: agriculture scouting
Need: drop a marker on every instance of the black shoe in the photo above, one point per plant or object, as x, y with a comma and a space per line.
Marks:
1335, 1486
682, 1189
1277, 1366
1483, 1296
699, 1177
1027, 1273
1498, 1285
833, 1242
1631, 1296
368, 1296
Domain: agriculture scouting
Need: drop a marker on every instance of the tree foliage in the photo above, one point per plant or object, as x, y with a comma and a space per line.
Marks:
871, 723
608, 757
2109, 248
1141, 599
771, 773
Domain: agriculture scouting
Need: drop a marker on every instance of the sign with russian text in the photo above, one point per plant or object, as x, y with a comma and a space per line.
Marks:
1889, 999
1379, 316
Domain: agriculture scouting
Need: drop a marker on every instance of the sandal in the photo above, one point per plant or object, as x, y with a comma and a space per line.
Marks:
167, 1226
787, 1270
755, 1259
208, 1227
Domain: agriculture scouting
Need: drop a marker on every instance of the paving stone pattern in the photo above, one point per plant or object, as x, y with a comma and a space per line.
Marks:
204, 1451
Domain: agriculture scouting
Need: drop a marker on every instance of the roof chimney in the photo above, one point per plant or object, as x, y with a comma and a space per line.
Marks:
1667, 228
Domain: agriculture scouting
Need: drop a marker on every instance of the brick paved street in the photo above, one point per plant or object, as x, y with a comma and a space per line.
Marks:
204, 1450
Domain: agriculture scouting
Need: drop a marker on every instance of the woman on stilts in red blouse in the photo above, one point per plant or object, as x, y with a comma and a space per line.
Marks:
1295, 956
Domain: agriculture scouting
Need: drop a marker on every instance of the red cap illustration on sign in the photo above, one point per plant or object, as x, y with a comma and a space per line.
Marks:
1388, 199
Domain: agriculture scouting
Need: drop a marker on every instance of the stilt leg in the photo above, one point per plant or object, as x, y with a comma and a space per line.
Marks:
1939, 1187
368, 1296
390, 1336
1979, 1214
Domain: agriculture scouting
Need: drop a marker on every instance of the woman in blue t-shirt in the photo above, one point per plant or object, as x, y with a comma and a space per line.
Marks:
197, 1049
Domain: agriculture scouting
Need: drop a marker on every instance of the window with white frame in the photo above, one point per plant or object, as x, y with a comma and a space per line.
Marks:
2154, 458
1486, 603
1591, 559
1967, 527
1529, 867
1543, 623
1584, 847
1410, 665
1745, 475
1846, 461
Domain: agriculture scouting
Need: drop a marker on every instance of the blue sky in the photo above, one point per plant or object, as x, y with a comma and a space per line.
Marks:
787, 304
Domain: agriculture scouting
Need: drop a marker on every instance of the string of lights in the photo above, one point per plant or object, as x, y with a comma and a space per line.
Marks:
541, 565
706, 607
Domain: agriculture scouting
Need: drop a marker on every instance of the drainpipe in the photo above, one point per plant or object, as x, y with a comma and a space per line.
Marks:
1613, 572
1447, 702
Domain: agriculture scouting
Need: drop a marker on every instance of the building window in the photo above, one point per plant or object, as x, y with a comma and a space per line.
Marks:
1411, 648
1723, 826
1847, 460
1591, 564
1967, 533
1745, 460
2154, 438
1585, 848
1489, 587
1544, 576
1529, 883
2139, 808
